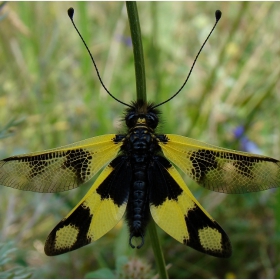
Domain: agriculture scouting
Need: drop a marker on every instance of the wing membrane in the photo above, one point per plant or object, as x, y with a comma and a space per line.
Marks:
176, 211
97, 213
220, 169
58, 169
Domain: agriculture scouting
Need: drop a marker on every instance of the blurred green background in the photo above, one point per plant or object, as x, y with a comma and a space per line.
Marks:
50, 96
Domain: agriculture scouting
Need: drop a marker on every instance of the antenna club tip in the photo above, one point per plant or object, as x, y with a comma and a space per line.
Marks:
218, 15
70, 13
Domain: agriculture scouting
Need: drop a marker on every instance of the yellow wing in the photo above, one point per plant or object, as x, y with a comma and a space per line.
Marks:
98, 212
220, 169
58, 169
177, 212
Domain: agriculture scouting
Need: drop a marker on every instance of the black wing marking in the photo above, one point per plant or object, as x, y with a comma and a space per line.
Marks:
97, 213
176, 211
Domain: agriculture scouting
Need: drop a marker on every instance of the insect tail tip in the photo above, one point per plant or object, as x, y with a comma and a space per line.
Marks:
138, 246
130, 242
142, 242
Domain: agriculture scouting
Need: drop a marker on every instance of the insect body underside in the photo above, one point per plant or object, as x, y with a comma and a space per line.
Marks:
140, 148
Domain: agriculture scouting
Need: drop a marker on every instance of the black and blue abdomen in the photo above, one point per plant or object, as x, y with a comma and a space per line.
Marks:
138, 147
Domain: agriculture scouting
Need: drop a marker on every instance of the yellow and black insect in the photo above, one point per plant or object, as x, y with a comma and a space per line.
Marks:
140, 181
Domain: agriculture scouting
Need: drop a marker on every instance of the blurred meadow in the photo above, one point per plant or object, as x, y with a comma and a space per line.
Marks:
50, 96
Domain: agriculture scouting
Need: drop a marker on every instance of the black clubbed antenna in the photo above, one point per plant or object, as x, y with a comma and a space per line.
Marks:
218, 15
71, 15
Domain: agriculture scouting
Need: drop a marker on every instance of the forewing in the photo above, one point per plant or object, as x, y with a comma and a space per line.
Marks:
220, 169
58, 169
177, 212
98, 212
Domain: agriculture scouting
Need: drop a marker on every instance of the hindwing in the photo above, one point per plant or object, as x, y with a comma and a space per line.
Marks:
59, 169
177, 212
219, 169
97, 213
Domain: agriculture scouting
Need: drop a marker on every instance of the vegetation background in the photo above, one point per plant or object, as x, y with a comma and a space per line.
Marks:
50, 96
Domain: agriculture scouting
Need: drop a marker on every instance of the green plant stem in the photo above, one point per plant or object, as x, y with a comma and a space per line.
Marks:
157, 250
141, 95
137, 50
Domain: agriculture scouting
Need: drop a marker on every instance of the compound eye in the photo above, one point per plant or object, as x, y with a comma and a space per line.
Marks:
152, 120
130, 120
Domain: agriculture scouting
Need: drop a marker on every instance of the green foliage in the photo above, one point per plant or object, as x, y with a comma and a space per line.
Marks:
6, 261
102, 273
7, 130
47, 80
